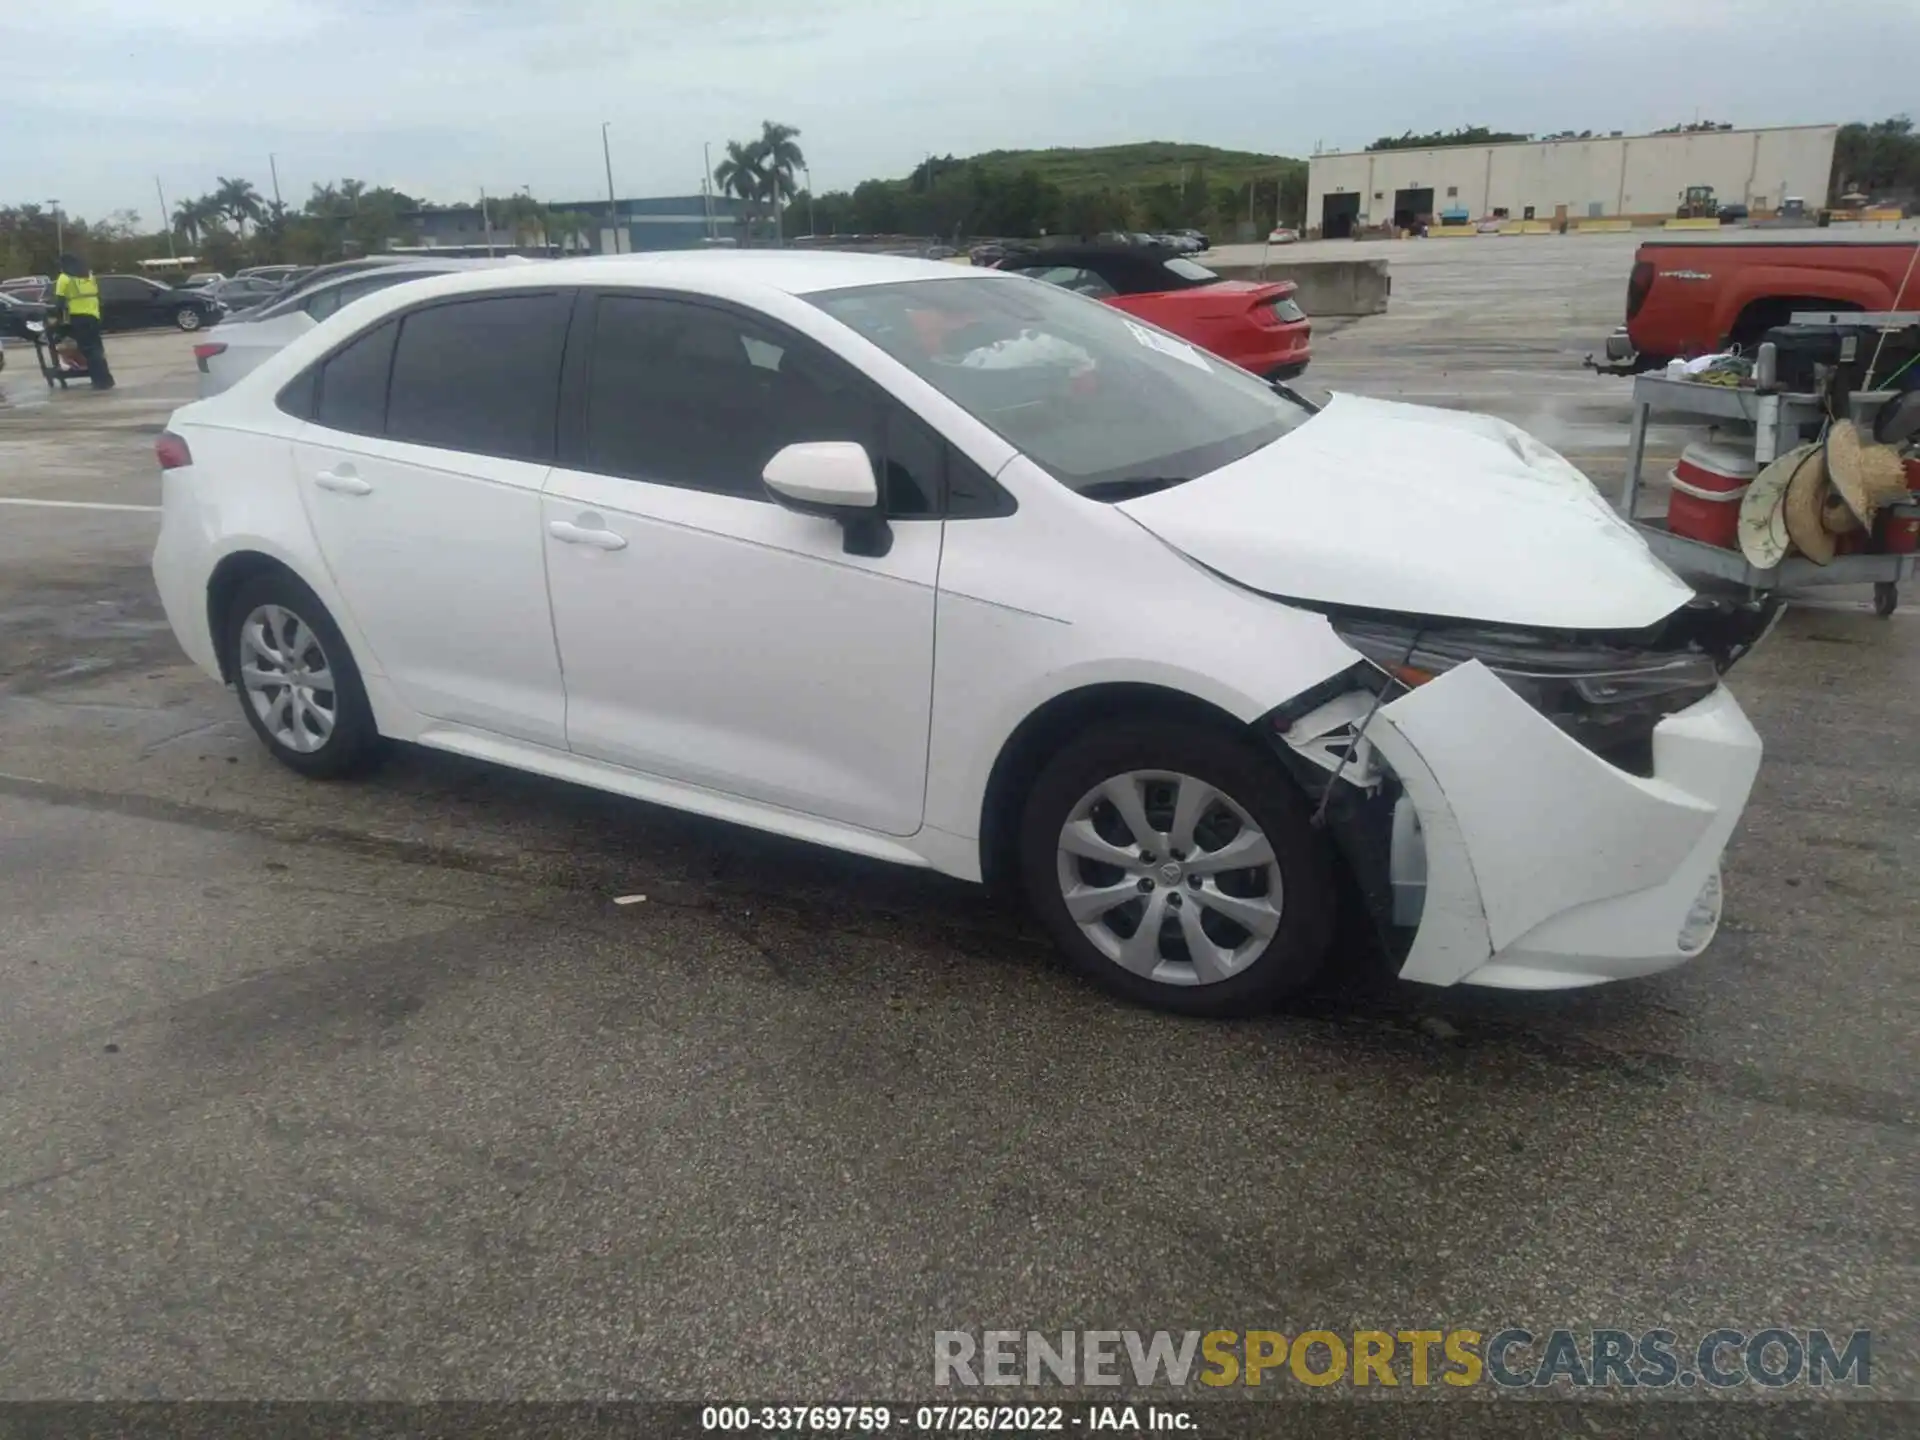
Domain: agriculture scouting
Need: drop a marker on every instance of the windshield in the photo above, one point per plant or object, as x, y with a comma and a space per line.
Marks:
1105, 404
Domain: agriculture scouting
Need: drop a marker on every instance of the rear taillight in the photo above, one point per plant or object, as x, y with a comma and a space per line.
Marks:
1638, 284
206, 351
172, 452
1288, 310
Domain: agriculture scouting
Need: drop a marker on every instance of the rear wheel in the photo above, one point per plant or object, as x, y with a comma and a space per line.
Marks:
298, 685
1177, 866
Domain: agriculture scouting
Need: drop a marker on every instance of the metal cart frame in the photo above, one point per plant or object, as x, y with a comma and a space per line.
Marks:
1777, 420
44, 340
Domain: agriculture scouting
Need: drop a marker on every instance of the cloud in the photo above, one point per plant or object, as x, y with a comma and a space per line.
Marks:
446, 96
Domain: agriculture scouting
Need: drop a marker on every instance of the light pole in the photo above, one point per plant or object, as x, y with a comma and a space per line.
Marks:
706, 182
813, 227
274, 170
613, 206
59, 229
166, 219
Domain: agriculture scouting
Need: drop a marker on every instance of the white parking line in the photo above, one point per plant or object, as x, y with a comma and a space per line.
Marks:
79, 505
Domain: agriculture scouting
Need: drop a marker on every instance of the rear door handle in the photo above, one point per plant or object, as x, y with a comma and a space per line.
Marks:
342, 481
568, 533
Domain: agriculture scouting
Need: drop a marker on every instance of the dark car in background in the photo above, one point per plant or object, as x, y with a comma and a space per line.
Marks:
15, 311
277, 274
133, 302
244, 292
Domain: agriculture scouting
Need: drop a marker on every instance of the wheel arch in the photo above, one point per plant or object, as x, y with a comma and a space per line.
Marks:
1762, 312
233, 571
1039, 737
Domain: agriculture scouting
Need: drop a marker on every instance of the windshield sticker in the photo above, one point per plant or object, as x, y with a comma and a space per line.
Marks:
1167, 345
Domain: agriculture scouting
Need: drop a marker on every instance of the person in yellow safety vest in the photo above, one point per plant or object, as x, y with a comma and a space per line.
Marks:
76, 300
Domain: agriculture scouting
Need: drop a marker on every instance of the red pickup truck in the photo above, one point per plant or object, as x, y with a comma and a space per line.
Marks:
1695, 298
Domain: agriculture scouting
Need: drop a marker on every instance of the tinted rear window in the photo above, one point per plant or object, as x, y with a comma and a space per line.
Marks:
353, 384
480, 375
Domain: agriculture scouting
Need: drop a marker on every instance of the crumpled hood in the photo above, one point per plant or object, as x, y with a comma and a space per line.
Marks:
1384, 506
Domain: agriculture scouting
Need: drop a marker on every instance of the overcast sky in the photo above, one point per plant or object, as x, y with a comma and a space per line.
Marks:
443, 97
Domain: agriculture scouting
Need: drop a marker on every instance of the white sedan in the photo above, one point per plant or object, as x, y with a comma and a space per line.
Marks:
956, 569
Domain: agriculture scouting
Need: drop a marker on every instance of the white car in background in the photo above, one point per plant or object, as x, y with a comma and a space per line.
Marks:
237, 345
957, 569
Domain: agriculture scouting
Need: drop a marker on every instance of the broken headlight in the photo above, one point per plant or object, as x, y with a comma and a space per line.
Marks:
1607, 698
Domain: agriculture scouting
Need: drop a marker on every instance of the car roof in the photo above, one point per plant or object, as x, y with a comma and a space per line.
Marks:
793, 272
743, 275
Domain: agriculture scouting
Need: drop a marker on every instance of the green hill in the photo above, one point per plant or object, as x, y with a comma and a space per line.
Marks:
1149, 162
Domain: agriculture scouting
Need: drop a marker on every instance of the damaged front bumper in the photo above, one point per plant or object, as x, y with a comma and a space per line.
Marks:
1494, 849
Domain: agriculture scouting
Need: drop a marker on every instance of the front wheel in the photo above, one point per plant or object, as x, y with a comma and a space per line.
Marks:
299, 688
1177, 866
187, 318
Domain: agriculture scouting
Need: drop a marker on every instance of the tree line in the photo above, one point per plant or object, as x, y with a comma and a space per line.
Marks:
955, 199
234, 224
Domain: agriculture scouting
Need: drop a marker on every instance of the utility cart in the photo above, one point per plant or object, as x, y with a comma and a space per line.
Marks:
1780, 421
44, 340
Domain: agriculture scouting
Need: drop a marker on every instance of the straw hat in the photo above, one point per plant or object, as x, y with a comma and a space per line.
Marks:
1763, 523
1805, 507
1866, 475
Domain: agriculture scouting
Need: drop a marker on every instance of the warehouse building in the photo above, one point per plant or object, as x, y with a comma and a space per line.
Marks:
1643, 177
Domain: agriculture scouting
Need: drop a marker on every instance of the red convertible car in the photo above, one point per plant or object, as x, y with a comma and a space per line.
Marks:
1259, 326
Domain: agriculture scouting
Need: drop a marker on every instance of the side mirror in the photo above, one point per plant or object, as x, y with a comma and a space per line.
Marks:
833, 479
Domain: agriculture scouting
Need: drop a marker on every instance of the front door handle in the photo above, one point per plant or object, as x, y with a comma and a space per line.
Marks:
342, 482
568, 533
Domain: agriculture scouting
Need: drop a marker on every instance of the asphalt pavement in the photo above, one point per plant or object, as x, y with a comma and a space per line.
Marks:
374, 1090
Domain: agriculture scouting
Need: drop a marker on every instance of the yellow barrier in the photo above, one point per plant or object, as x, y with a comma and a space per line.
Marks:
1881, 216
1703, 222
1602, 227
1450, 230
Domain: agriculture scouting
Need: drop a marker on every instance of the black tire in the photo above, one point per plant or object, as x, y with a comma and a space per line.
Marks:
1255, 782
354, 742
188, 318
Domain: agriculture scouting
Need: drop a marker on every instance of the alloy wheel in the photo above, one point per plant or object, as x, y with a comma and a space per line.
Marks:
188, 319
287, 678
1169, 877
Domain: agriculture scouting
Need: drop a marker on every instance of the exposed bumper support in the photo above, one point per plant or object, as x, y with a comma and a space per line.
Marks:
1545, 866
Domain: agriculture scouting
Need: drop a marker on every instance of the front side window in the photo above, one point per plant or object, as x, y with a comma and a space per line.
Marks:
1107, 405
481, 376
692, 395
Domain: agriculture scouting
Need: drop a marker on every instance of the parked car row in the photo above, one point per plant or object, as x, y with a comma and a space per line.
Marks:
132, 302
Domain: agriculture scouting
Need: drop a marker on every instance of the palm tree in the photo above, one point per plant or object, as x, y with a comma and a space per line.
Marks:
190, 217
569, 229
525, 216
742, 174
780, 158
238, 201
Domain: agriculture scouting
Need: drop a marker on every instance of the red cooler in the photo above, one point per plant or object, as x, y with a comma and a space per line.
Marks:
1707, 486
1902, 532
